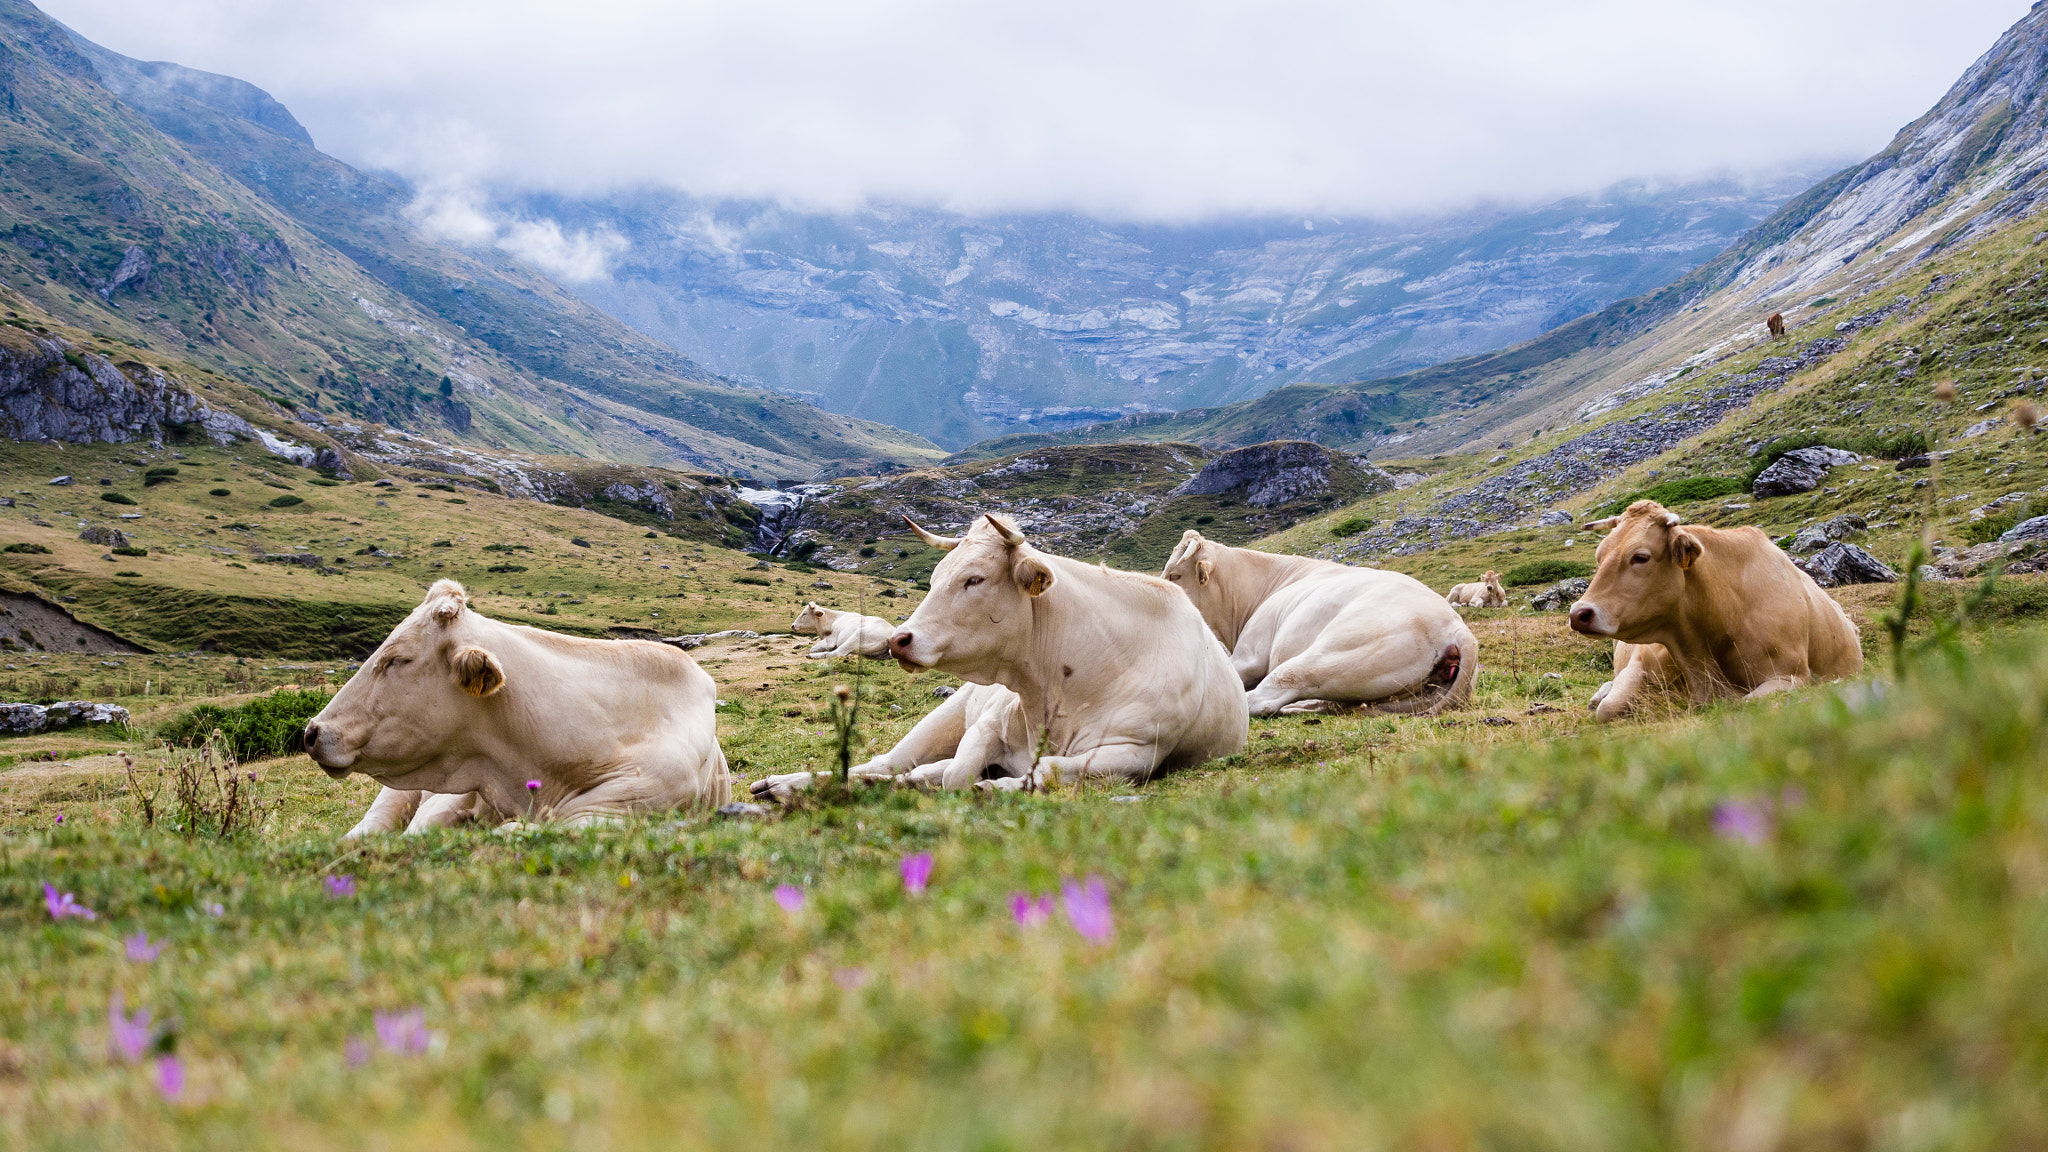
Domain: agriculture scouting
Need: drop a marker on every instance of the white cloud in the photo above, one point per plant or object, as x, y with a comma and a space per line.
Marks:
1135, 109
455, 213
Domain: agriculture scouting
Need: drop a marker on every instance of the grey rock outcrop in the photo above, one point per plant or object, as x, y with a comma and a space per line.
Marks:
1800, 470
1555, 518
1815, 537
1274, 473
1840, 564
18, 719
1561, 595
104, 536
2025, 530
51, 391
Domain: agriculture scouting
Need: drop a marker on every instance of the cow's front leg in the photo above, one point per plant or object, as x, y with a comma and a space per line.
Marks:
388, 812
819, 651
439, 810
1776, 684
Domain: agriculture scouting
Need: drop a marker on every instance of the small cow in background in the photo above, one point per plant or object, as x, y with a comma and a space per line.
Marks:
843, 633
1487, 593
1776, 322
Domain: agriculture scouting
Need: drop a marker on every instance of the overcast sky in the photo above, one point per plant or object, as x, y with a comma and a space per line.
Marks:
1132, 110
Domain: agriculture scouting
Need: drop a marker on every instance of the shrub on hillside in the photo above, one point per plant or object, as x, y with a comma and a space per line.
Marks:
130, 550
116, 498
1997, 524
287, 501
1546, 572
30, 549
156, 476
217, 492
265, 727
1673, 492
1351, 526
752, 580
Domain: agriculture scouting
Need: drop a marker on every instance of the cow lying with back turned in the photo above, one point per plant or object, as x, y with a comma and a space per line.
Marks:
1314, 635
455, 712
1114, 671
1712, 612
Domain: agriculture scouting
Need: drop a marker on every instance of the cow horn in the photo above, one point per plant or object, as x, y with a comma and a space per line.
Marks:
942, 543
1010, 535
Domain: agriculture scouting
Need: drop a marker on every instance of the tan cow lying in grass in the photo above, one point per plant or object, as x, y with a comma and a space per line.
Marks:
1115, 671
455, 712
843, 633
1308, 635
1487, 593
978, 734
1715, 613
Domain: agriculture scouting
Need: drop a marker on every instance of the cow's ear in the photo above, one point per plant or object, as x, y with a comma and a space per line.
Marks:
478, 672
1033, 575
1202, 570
1685, 548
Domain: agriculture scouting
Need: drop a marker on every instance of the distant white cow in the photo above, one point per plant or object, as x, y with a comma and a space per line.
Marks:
1115, 670
978, 734
455, 712
843, 633
1487, 593
1308, 635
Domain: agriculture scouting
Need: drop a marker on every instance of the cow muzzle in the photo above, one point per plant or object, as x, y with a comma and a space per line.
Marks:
320, 746
1588, 620
900, 646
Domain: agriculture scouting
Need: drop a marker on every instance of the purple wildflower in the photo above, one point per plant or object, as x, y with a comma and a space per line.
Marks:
403, 1032
1088, 910
341, 887
63, 904
214, 910
170, 1077
850, 978
533, 785
140, 949
1746, 820
60, 820
917, 873
130, 1036
356, 1052
790, 897
1030, 913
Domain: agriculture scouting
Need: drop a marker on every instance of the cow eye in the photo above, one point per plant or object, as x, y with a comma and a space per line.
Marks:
973, 580
1640, 558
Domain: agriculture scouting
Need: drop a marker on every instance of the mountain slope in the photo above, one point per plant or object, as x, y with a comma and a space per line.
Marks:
124, 224
960, 327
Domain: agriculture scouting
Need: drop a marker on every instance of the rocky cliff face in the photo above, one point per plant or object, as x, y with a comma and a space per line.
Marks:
962, 327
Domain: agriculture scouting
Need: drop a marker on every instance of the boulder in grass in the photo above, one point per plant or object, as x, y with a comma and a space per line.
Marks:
19, 719
2026, 530
1839, 564
1815, 537
1800, 470
105, 537
1561, 595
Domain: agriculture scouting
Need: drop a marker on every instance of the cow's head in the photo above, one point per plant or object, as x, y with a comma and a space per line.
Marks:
1640, 573
978, 613
811, 620
414, 697
1192, 569
1493, 580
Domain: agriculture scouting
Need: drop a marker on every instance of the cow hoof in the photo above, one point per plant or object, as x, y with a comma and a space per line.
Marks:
1004, 784
780, 787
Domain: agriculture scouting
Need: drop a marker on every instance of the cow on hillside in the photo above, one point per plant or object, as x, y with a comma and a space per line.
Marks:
1714, 612
843, 633
455, 713
1115, 672
1486, 593
1776, 323
1313, 635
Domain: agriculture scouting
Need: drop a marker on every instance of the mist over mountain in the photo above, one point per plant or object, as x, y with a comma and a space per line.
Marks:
961, 327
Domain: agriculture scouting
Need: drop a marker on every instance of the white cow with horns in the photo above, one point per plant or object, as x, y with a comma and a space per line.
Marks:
1114, 672
1308, 635
455, 712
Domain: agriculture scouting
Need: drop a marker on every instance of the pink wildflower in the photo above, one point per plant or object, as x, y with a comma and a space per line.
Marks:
130, 1036
140, 949
64, 904
356, 1052
1746, 820
790, 897
1030, 913
403, 1032
170, 1077
1088, 910
850, 978
917, 873
341, 887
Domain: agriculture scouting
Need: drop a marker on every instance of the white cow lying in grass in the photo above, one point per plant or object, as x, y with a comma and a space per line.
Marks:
1308, 635
843, 633
978, 734
1117, 668
455, 712
1486, 593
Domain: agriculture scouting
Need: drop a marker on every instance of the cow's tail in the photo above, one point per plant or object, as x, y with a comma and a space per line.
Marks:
1449, 683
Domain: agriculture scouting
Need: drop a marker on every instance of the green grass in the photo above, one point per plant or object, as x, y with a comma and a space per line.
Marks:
1545, 572
1672, 493
264, 728
1363, 932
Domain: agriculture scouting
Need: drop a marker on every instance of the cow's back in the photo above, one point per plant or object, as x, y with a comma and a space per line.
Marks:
1768, 602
